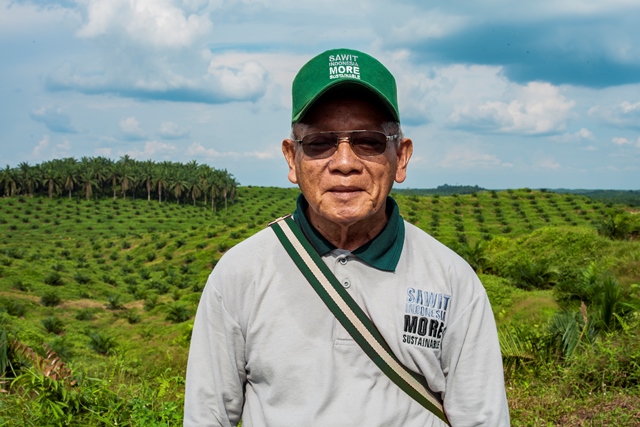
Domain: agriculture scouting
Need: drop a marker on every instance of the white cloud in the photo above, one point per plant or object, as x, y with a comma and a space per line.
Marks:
131, 129
170, 130
620, 141
537, 108
624, 114
160, 23
239, 81
470, 158
104, 151
45, 150
43, 145
548, 163
198, 150
153, 149
581, 135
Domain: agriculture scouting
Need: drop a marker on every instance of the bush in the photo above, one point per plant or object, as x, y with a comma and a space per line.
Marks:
85, 314
529, 274
132, 316
14, 308
82, 278
53, 325
101, 343
178, 313
50, 299
618, 225
113, 302
53, 279
151, 302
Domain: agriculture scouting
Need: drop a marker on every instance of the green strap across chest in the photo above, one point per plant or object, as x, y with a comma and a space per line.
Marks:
351, 316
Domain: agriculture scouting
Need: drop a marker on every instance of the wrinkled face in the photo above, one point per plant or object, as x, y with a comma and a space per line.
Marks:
345, 189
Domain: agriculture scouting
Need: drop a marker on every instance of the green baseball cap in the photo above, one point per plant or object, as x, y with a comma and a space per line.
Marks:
341, 67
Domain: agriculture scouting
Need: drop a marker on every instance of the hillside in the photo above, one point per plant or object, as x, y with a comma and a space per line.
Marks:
112, 286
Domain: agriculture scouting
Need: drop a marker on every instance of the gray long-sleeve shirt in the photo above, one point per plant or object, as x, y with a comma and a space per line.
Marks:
266, 348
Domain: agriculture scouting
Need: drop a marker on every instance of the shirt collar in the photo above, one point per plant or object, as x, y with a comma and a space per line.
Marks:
382, 252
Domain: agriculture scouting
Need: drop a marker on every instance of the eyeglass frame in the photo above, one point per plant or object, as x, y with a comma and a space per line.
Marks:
348, 138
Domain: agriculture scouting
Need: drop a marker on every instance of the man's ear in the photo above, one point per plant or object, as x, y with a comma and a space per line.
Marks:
289, 151
404, 152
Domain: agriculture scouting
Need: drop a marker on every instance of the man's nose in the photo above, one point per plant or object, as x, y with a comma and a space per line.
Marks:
344, 159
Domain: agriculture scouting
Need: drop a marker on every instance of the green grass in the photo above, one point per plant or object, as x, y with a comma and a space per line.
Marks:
129, 274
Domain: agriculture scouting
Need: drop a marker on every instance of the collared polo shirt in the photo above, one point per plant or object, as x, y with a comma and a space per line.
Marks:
382, 252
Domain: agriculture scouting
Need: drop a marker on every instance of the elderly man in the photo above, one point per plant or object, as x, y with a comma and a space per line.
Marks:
266, 347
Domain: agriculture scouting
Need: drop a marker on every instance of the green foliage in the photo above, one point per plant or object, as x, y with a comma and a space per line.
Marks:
13, 307
114, 302
54, 279
82, 278
50, 299
178, 313
612, 308
85, 314
529, 274
132, 316
619, 225
53, 325
102, 343
474, 254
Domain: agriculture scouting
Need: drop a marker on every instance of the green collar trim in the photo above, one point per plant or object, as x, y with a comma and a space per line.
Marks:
383, 252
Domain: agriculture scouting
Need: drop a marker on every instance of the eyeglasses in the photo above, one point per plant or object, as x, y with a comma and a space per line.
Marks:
365, 143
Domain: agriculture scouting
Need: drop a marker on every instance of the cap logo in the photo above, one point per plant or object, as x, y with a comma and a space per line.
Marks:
344, 65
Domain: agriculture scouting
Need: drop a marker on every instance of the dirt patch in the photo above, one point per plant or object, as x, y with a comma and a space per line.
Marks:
592, 415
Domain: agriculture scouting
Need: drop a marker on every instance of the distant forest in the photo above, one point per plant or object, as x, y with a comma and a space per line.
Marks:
625, 197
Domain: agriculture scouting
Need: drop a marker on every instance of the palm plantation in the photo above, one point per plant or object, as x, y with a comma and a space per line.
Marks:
96, 177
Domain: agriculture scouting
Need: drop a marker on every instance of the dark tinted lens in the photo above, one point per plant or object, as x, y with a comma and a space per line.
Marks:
319, 145
368, 144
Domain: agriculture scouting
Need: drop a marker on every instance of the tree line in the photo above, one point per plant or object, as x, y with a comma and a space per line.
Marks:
94, 177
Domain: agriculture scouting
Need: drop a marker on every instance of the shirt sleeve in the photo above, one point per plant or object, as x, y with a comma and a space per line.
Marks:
216, 366
472, 363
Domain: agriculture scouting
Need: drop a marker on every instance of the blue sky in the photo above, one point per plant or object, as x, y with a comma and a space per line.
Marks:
500, 94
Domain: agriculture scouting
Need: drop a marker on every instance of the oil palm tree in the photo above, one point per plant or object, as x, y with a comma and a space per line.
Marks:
69, 174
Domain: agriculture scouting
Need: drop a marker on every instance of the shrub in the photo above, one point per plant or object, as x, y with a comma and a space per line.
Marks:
618, 225
57, 267
151, 302
113, 302
85, 314
109, 280
528, 274
50, 299
53, 325
132, 316
178, 313
101, 343
21, 286
82, 278
54, 279
14, 308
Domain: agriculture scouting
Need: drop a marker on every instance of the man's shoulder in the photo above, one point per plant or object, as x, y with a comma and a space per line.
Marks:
420, 238
252, 249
